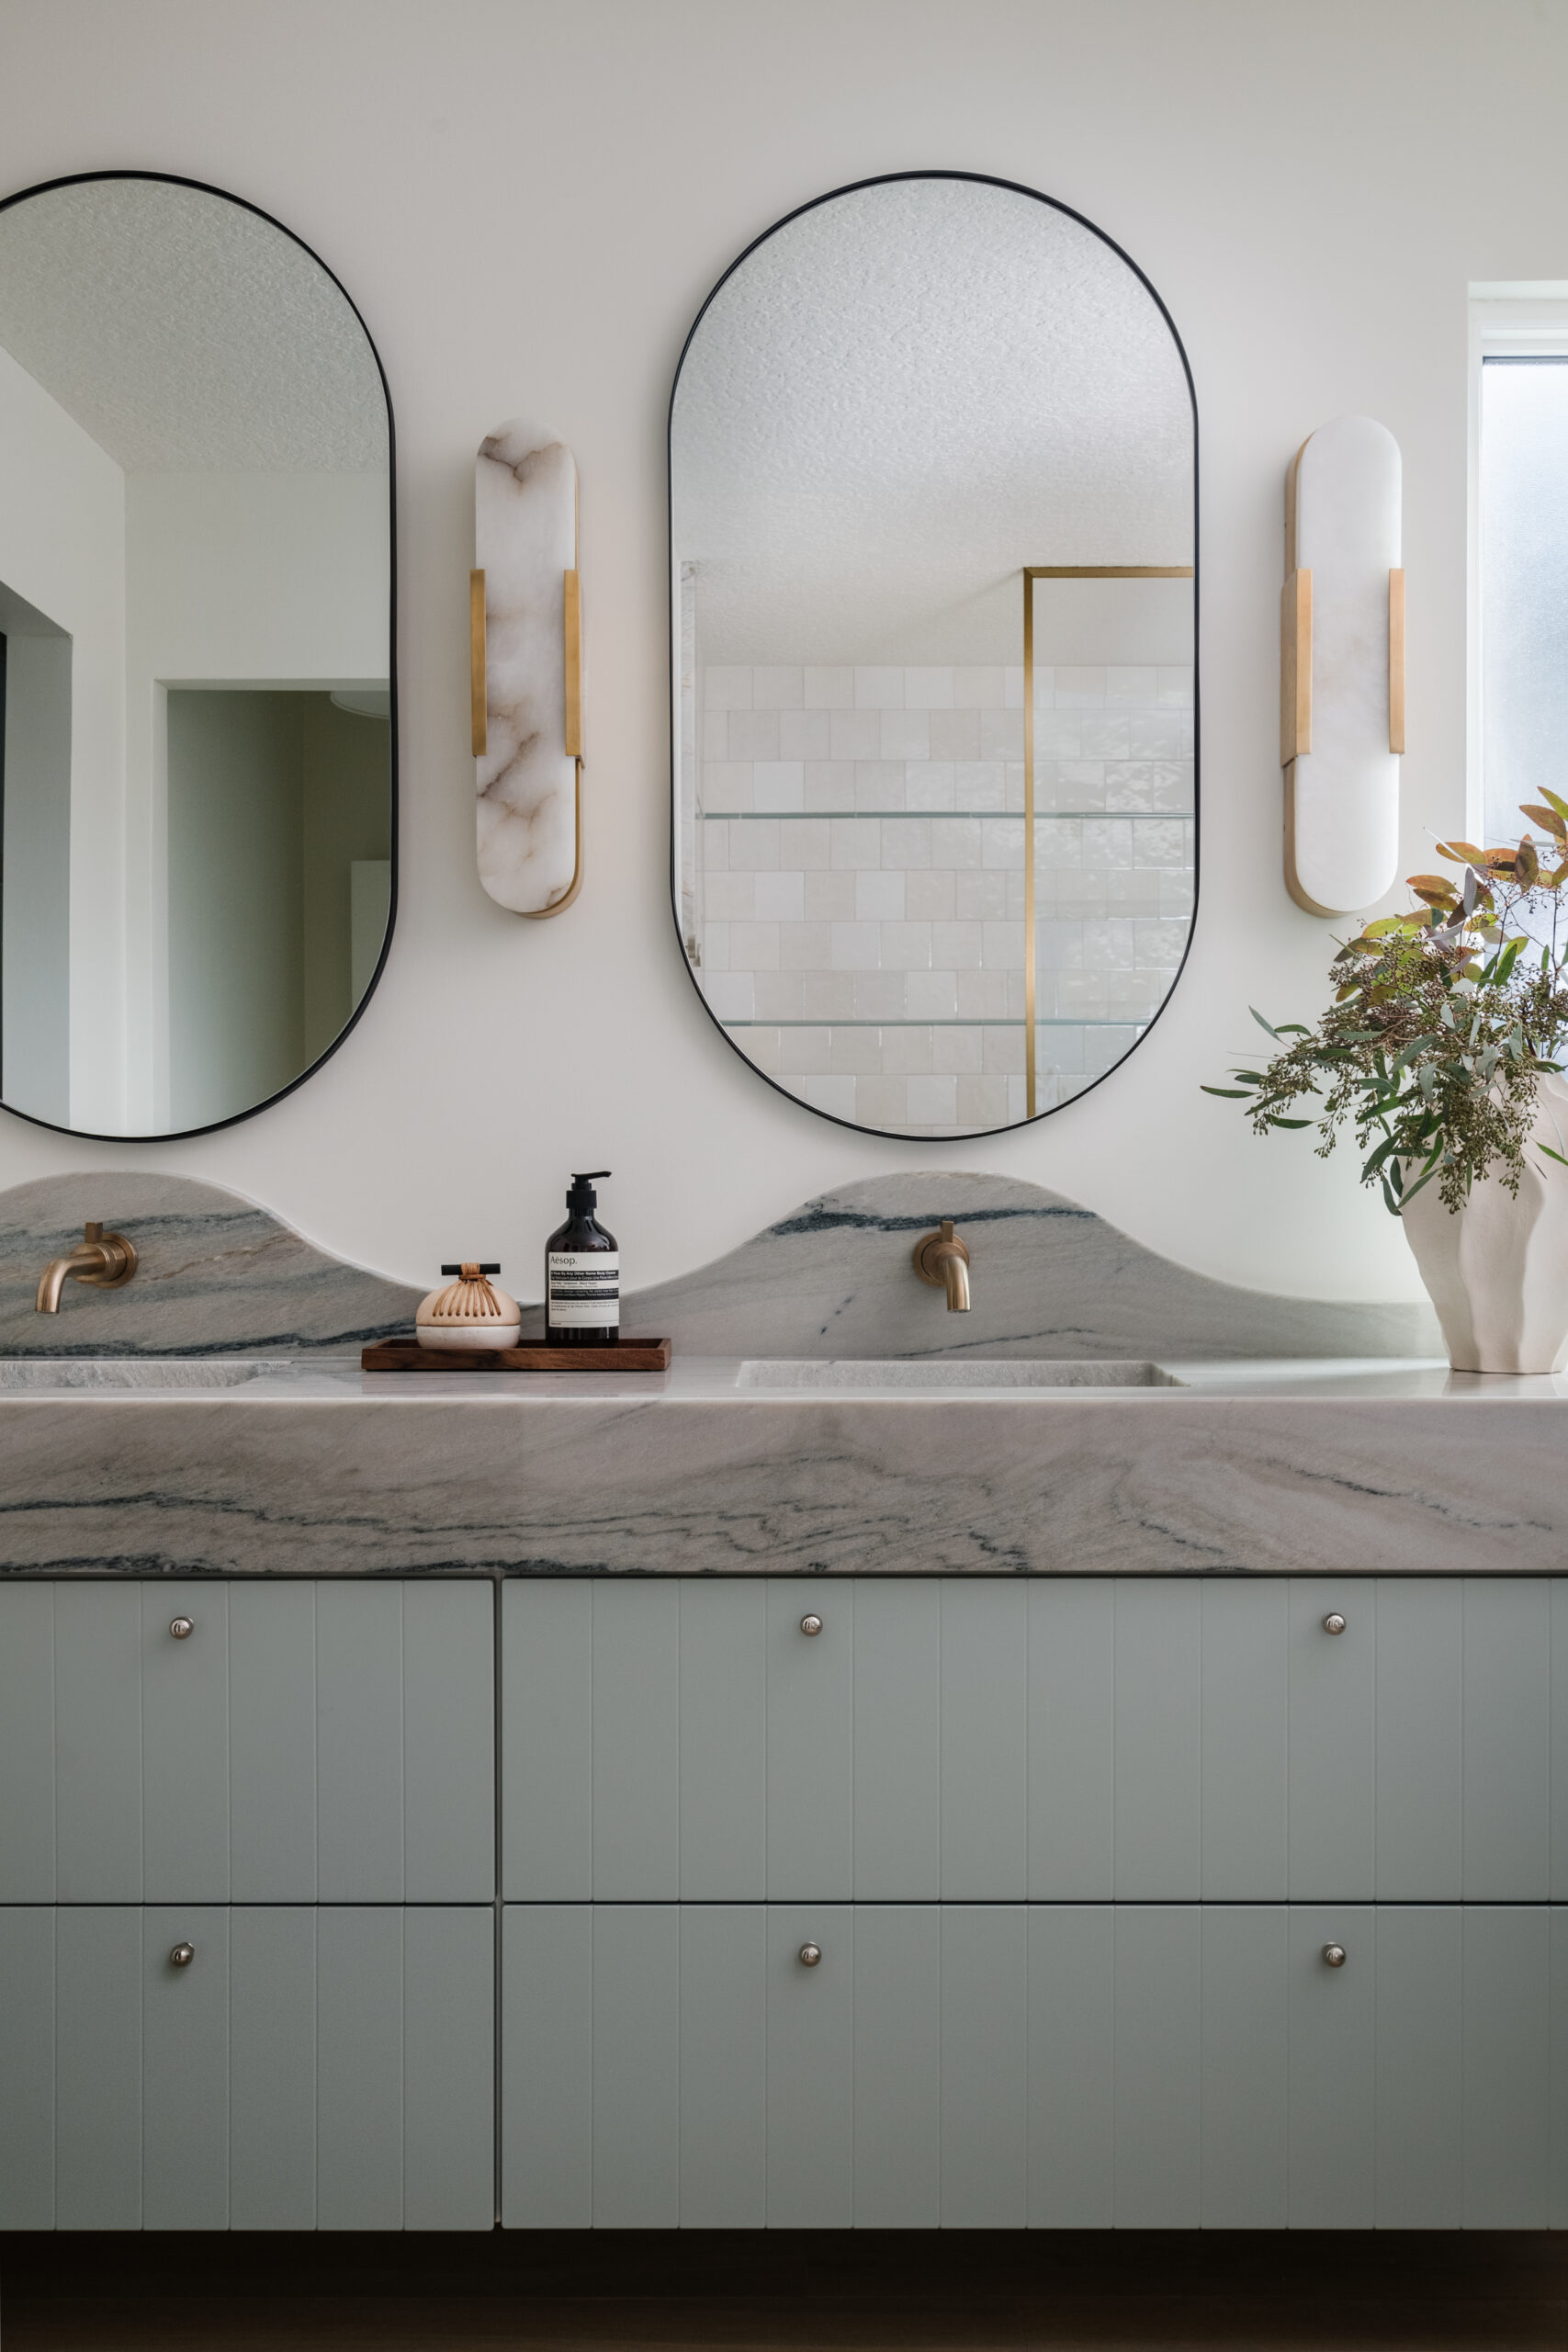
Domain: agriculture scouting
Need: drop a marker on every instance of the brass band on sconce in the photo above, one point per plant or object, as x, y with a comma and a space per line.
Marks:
1033, 571
571, 629
1295, 664
479, 696
572, 632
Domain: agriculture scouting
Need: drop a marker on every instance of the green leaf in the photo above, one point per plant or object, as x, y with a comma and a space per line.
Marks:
1425, 1178
1552, 1155
1261, 1023
1289, 1123
1231, 1093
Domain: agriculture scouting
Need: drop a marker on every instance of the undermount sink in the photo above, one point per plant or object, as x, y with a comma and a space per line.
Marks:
965, 1372
19, 1375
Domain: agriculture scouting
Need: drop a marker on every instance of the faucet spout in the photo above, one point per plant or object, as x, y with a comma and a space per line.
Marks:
106, 1260
941, 1258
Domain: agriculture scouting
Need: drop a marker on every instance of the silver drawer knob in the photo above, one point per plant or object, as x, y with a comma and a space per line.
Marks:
1333, 1622
181, 1628
811, 1625
181, 1955
1334, 1956
810, 1954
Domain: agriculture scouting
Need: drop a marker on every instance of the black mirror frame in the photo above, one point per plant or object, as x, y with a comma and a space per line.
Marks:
176, 1135
852, 188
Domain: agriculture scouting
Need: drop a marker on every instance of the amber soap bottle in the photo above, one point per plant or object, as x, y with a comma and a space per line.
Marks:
583, 1274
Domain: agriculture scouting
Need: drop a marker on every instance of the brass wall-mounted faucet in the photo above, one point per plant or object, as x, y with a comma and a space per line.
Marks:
105, 1261
942, 1260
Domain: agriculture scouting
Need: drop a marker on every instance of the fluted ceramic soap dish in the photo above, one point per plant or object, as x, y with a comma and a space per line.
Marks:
468, 1316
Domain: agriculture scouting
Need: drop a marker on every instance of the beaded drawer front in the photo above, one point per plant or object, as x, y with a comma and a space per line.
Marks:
1051, 1740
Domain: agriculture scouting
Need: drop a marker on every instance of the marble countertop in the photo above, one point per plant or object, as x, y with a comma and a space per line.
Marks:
309, 1467
324, 1378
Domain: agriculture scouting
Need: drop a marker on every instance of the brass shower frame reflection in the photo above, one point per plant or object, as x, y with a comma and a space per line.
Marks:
1031, 572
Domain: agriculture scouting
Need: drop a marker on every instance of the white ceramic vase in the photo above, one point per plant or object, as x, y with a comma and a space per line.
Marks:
1497, 1270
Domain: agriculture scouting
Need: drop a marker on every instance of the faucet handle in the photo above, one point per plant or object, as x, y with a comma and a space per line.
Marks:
119, 1259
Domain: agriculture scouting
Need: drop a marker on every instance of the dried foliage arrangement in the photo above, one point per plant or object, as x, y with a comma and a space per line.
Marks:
1443, 1024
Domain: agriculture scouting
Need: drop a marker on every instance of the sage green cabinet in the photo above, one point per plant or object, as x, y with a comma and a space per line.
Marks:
1159, 2066
308, 2069
304, 1741
1067, 1739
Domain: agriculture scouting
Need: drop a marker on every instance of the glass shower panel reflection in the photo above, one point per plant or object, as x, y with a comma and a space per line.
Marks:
850, 868
852, 855
1110, 815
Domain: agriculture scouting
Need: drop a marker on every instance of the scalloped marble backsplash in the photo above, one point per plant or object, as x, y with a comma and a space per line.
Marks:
219, 1276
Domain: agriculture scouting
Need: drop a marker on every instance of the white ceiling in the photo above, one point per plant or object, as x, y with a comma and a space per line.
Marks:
900, 399
186, 335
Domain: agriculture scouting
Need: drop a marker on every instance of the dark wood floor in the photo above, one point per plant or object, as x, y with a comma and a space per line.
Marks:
751, 2290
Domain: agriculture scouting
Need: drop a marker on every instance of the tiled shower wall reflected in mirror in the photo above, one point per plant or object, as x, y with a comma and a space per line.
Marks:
854, 907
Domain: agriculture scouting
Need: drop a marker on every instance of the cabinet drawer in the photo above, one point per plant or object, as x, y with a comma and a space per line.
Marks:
1035, 2065
1059, 1739
326, 2068
306, 1741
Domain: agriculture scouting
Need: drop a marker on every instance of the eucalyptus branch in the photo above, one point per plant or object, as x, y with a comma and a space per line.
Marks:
1442, 1025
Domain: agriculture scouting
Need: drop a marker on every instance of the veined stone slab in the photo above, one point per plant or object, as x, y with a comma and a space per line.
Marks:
1049, 1279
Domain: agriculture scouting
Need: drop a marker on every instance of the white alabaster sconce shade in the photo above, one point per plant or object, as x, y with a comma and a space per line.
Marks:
1342, 667
526, 669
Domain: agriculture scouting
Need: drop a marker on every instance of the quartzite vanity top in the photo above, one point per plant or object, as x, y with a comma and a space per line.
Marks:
309, 1467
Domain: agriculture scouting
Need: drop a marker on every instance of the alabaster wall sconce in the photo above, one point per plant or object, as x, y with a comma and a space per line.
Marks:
1342, 667
525, 643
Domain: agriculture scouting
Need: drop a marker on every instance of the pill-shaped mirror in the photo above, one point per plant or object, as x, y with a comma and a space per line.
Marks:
196, 754
933, 581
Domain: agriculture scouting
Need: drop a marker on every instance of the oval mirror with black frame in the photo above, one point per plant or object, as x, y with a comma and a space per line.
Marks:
933, 565
198, 762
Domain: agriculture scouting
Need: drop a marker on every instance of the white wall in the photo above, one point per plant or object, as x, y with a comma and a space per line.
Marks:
528, 202
62, 548
231, 580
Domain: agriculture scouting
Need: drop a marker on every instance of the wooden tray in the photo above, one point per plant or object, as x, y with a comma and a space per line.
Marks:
624, 1355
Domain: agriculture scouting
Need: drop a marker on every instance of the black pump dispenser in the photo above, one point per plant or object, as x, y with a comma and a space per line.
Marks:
580, 1197
583, 1274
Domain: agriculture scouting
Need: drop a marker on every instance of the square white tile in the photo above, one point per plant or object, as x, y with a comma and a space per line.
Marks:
856, 946
854, 734
805, 734
753, 734
878, 689
879, 895
931, 996
754, 946
928, 689
775, 688
857, 840
882, 1102
779, 783
727, 688
906, 1052
932, 1102
779, 898
905, 735
906, 946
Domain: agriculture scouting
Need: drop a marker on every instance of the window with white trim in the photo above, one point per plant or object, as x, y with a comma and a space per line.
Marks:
1519, 653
